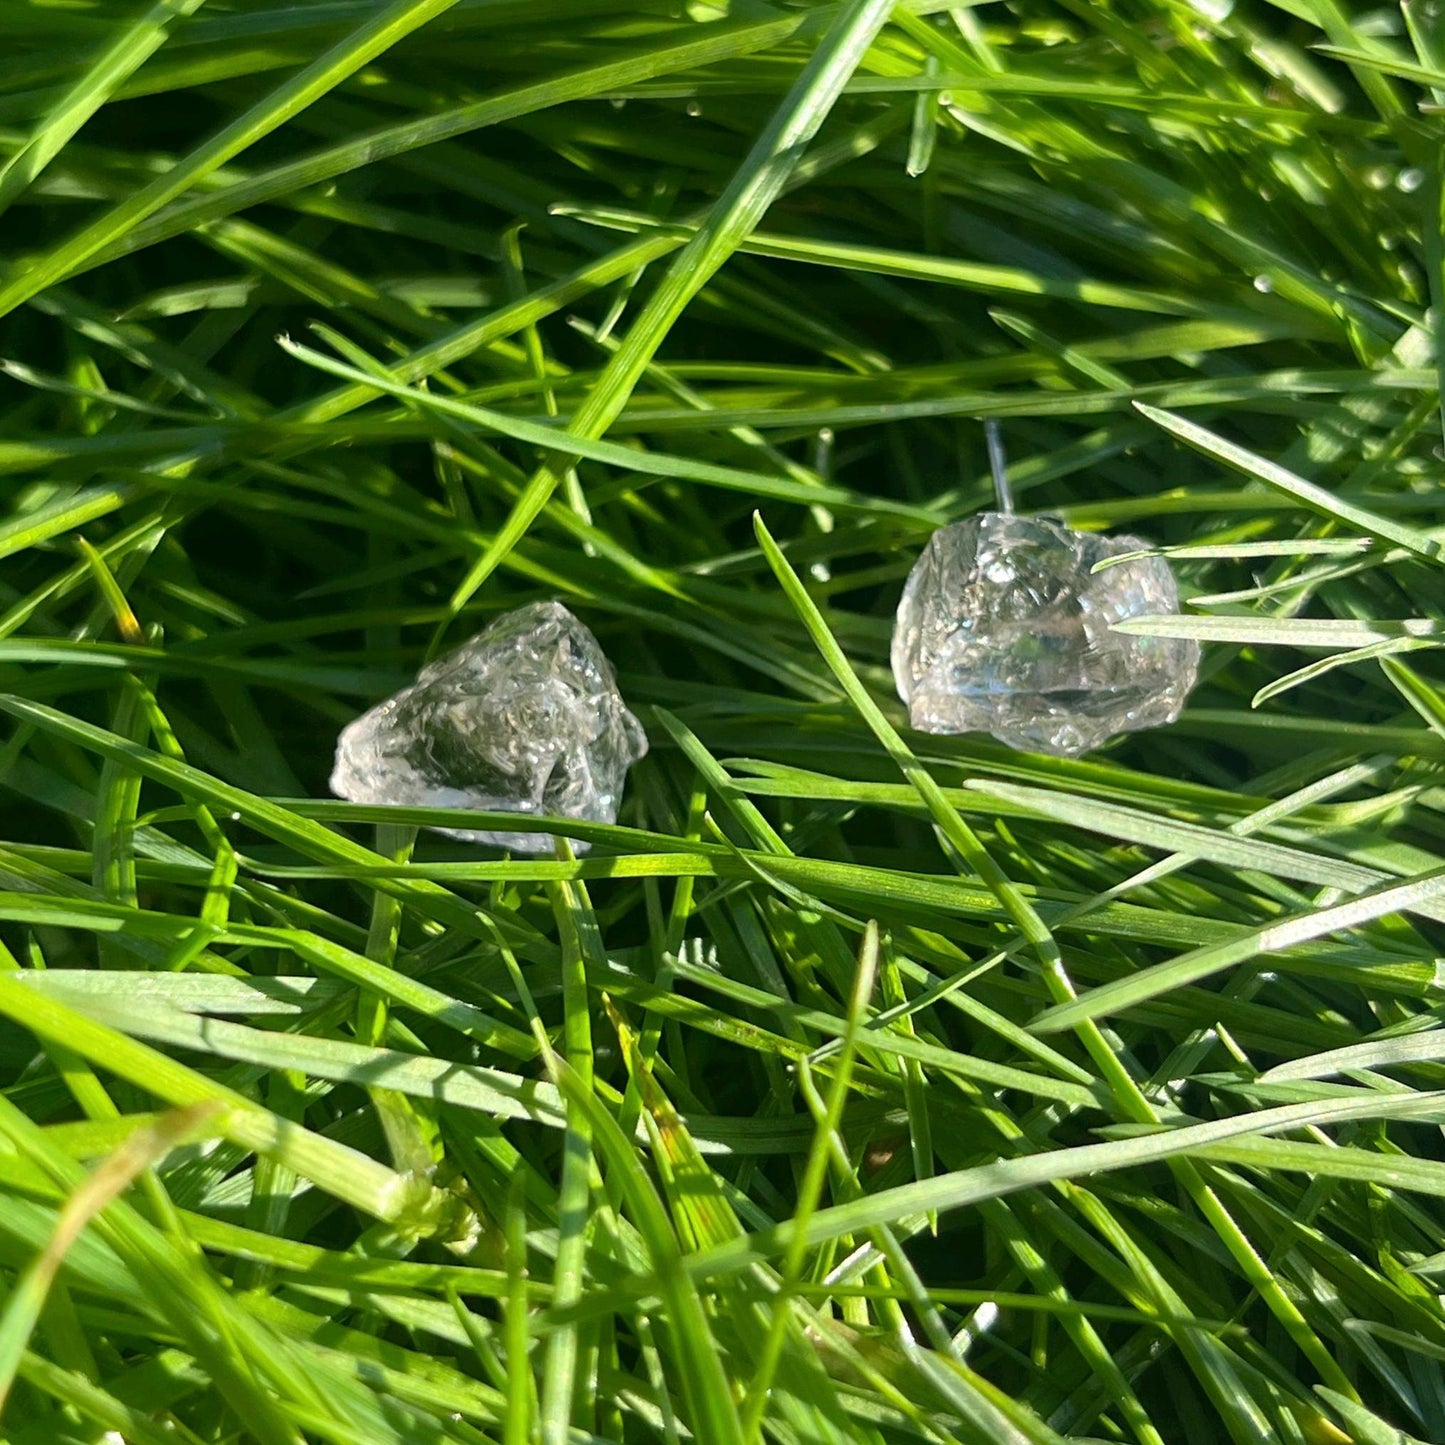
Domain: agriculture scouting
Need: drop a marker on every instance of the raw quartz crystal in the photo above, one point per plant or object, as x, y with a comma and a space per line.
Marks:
1004, 628
523, 718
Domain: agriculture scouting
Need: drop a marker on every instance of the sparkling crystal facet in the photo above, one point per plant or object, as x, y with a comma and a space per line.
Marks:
1003, 628
523, 718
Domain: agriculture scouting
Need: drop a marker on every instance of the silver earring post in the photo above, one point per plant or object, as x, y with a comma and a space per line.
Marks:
998, 464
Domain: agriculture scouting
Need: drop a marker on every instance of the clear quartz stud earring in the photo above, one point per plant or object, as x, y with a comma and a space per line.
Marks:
1005, 628
525, 717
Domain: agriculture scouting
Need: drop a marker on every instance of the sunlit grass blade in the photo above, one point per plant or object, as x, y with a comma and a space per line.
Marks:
1272, 938
90, 91
753, 188
373, 38
143, 1148
1308, 494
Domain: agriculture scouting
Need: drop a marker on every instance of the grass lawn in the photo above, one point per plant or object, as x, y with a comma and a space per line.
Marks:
859, 1085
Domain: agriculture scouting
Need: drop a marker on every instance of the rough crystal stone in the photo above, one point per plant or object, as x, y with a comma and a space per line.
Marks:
1003, 628
523, 718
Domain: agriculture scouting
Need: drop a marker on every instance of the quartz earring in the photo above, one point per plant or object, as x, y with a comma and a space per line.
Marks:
523, 718
1005, 628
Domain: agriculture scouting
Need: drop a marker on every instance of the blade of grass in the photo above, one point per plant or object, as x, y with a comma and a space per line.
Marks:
371, 39
1272, 938
1308, 494
110, 70
753, 188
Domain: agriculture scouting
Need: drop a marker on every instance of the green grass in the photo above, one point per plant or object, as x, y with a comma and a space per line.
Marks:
859, 1085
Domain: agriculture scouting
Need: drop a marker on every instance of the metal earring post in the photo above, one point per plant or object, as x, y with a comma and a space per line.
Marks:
998, 463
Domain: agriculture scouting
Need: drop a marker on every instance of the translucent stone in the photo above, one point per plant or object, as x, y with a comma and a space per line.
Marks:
1004, 628
523, 718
